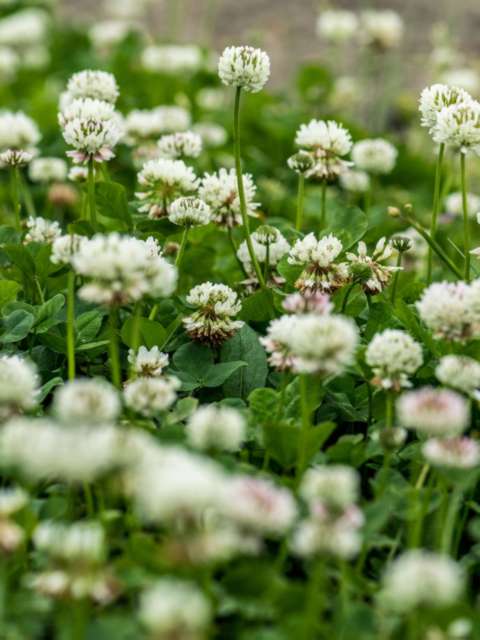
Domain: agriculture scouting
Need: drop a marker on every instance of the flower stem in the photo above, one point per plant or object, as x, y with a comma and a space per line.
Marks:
91, 193
436, 207
241, 190
466, 223
395, 277
312, 608
323, 210
449, 523
305, 415
300, 202
114, 349
71, 324
389, 410
347, 296
14, 190
183, 244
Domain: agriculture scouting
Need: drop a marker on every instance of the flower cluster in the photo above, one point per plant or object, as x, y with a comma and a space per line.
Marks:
220, 191
122, 269
321, 271
376, 156
393, 356
327, 142
216, 307
19, 385
244, 67
435, 412
269, 246
371, 271
216, 427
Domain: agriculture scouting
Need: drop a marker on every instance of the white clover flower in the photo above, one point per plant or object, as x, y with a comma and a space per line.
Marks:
99, 85
150, 124
329, 136
107, 34
434, 98
42, 230
382, 28
161, 181
454, 204
464, 77
18, 132
211, 98
337, 25
148, 362
173, 608
172, 58
308, 302
80, 542
321, 272
46, 170
15, 158
87, 109
435, 412
12, 499
150, 396
393, 356
336, 486
86, 401
260, 506
453, 453
123, 269
244, 67
460, 372
189, 212
216, 427
276, 343
444, 307
78, 174
185, 144
220, 191
44, 450
212, 134
323, 344
216, 306
19, 384
421, 579
329, 533
174, 486
24, 28
92, 137
65, 247
267, 242
9, 63
458, 126
355, 181
374, 156
370, 270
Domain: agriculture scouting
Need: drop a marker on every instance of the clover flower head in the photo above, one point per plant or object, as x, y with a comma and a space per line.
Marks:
148, 362
374, 156
244, 67
99, 85
42, 230
337, 25
220, 191
393, 356
459, 372
452, 453
216, 427
87, 401
185, 144
45, 170
189, 212
321, 272
435, 412
149, 396
371, 271
458, 126
437, 96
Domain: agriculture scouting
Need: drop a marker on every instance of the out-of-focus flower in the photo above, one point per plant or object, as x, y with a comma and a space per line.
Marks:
382, 29
150, 396
86, 401
148, 362
172, 58
374, 156
45, 170
337, 25
42, 230
185, 144
393, 356
454, 204
453, 453
355, 181
216, 427
444, 307
460, 372
435, 412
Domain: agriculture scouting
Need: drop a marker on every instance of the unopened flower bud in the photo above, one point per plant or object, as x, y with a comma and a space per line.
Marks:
402, 243
301, 162
393, 212
392, 438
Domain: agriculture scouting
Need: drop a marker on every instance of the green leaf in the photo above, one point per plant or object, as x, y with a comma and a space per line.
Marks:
47, 314
291, 272
16, 326
245, 346
111, 199
195, 368
258, 307
48, 386
8, 291
217, 374
20, 258
193, 358
151, 333
282, 442
263, 404
87, 325
348, 223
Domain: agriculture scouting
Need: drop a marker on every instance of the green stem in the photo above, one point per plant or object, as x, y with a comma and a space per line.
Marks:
450, 519
71, 324
323, 210
395, 278
305, 416
389, 410
466, 222
436, 207
153, 312
241, 191
87, 492
312, 607
266, 267
235, 249
135, 333
91, 193
183, 245
114, 349
27, 197
300, 202
14, 190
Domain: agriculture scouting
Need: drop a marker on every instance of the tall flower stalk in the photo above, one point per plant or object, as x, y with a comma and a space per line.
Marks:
436, 207
466, 223
241, 191
71, 324
114, 348
92, 205
15, 194
300, 202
